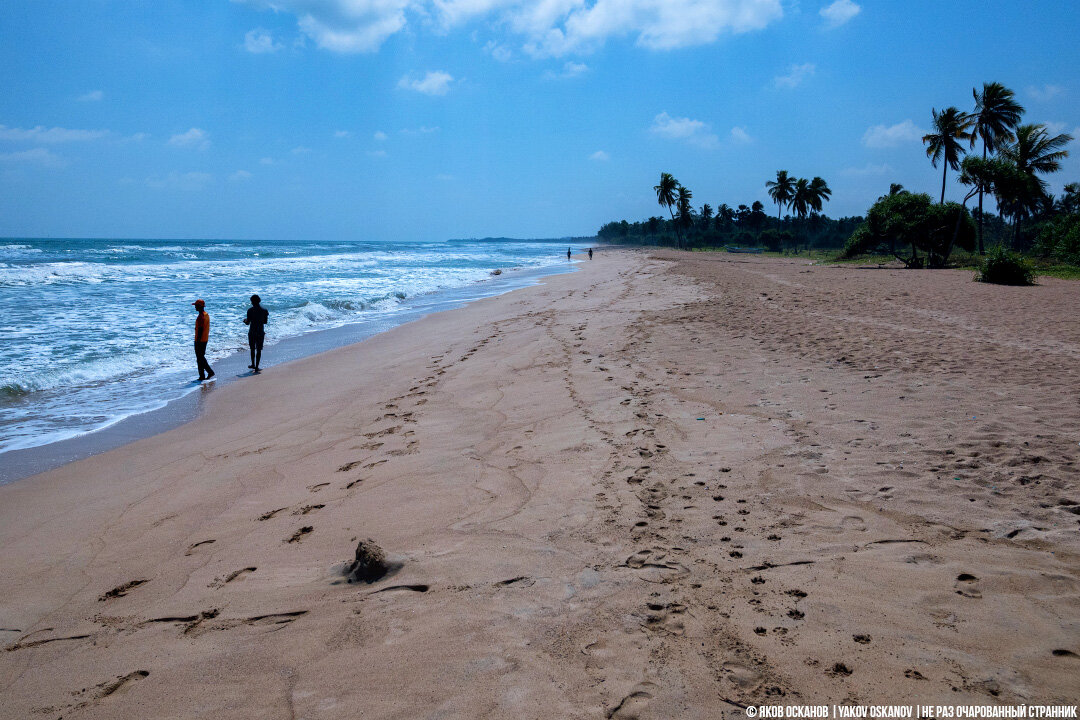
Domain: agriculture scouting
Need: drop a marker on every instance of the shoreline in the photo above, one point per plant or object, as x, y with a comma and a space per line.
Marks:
669, 485
19, 463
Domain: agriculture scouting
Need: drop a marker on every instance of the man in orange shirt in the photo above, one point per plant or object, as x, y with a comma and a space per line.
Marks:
202, 336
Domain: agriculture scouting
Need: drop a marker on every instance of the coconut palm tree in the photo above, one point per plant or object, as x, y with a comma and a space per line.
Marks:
665, 196
682, 203
781, 190
706, 216
996, 115
801, 202
725, 216
819, 194
1033, 152
950, 131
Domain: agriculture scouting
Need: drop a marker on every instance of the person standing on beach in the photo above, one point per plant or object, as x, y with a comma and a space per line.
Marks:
567, 253
202, 337
257, 317
590, 253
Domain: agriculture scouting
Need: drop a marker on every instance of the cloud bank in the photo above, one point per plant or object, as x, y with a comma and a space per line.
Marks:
545, 28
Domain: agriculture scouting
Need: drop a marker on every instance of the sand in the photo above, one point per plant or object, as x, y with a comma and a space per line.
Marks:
669, 485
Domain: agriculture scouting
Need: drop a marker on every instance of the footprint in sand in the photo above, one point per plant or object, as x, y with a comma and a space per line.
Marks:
742, 676
200, 544
853, 522
299, 534
664, 618
967, 585
122, 590
633, 704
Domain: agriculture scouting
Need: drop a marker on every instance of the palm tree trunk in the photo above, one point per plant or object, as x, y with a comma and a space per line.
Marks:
982, 250
944, 173
678, 235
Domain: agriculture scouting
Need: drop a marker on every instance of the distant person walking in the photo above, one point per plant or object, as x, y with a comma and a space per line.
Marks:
567, 253
590, 253
202, 336
257, 317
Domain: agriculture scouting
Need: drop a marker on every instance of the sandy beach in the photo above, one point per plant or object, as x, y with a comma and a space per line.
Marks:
667, 486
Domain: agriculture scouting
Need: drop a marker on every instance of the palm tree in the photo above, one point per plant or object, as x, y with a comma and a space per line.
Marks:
725, 216
819, 194
706, 216
781, 190
686, 212
950, 129
665, 196
801, 201
895, 189
996, 114
1034, 152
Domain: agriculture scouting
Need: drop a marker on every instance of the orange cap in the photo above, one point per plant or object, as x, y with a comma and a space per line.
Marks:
199, 303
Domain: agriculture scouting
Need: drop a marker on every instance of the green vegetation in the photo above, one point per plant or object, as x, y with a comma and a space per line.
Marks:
1014, 158
913, 221
745, 226
1030, 224
1005, 267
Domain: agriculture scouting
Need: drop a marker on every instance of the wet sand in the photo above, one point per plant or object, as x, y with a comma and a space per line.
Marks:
665, 486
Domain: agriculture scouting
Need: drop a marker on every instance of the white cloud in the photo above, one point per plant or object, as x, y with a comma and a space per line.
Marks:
840, 12
445, 177
342, 134
377, 153
1045, 92
240, 175
546, 27
422, 130
739, 136
92, 96
190, 181
795, 75
300, 150
868, 169
499, 52
570, 69
1057, 128
883, 136
139, 136
266, 161
36, 156
346, 26
694, 132
434, 83
380, 136
260, 41
600, 156
193, 138
42, 134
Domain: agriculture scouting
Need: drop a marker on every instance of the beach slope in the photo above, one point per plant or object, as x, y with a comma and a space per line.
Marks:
668, 485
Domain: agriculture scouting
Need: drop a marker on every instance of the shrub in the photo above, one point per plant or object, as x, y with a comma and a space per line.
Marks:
1059, 239
1004, 267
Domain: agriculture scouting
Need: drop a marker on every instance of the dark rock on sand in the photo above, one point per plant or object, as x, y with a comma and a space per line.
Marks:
369, 565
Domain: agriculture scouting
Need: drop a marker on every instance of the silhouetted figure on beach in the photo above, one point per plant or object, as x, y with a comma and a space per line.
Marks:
567, 253
202, 336
590, 253
257, 317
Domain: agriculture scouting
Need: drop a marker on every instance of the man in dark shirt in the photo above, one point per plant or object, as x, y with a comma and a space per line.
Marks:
257, 317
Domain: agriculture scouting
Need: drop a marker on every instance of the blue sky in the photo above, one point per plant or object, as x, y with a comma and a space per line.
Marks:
431, 119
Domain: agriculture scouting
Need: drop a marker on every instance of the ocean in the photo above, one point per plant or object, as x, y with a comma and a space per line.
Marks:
95, 331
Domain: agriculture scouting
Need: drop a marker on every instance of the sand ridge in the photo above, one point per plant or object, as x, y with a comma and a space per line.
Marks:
669, 485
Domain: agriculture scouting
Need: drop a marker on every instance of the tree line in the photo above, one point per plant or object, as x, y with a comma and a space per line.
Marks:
1013, 160
742, 225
